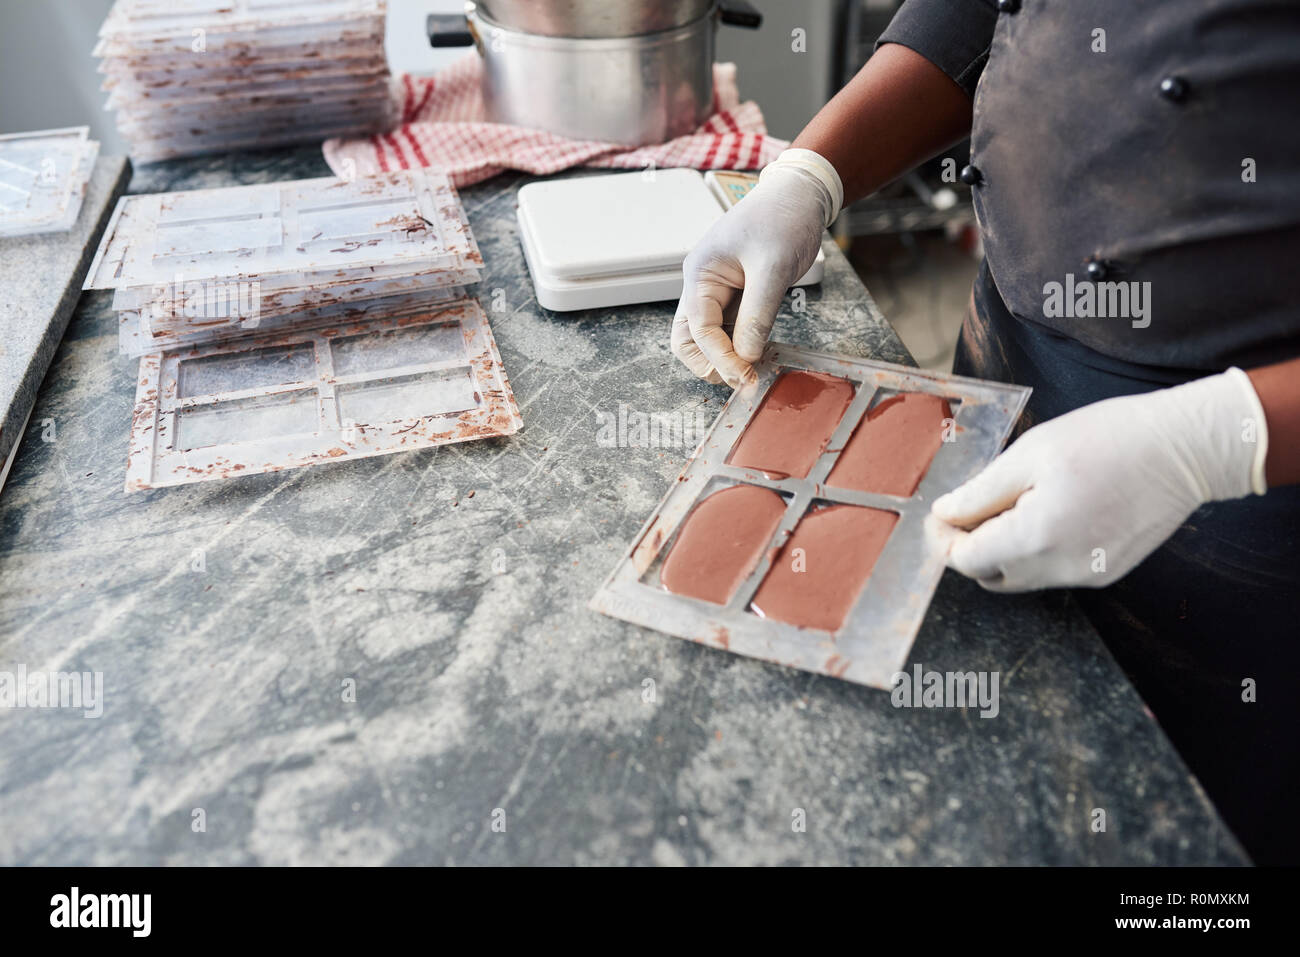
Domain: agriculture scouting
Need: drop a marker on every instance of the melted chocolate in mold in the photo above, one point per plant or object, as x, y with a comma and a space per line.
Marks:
891, 449
841, 544
721, 541
792, 427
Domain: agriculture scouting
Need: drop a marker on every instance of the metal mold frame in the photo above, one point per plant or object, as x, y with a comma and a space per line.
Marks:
166, 310
126, 252
154, 462
138, 337
876, 637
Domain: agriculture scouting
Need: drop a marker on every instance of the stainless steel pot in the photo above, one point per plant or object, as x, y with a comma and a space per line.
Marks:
630, 90
594, 18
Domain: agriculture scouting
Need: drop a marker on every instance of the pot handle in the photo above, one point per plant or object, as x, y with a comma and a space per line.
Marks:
448, 30
738, 13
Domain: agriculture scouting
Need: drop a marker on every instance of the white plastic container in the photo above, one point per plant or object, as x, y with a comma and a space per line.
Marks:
612, 240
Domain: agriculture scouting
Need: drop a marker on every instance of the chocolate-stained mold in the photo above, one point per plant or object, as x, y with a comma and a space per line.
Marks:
872, 642
793, 424
383, 384
164, 26
268, 231
894, 443
817, 575
271, 72
199, 266
137, 336
721, 542
43, 177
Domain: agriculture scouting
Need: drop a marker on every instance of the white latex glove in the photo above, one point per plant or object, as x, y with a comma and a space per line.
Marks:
758, 249
1082, 499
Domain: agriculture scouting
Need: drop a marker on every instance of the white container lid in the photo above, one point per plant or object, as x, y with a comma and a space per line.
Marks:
617, 224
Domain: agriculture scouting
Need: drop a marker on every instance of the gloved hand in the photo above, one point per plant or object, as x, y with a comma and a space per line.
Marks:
757, 250
1082, 499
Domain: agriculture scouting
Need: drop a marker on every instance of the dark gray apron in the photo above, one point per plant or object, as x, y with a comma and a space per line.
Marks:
1217, 604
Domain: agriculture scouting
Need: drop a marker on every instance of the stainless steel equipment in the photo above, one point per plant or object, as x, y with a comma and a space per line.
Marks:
631, 90
594, 18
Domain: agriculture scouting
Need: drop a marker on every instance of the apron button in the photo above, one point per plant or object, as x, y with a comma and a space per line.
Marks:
1173, 88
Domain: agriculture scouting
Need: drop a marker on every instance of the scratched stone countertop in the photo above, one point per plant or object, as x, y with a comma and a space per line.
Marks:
40, 280
449, 587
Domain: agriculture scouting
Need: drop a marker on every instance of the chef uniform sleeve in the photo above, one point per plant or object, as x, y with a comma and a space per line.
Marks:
954, 35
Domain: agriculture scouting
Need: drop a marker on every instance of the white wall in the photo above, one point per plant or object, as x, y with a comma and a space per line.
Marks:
790, 87
406, 41
47, 75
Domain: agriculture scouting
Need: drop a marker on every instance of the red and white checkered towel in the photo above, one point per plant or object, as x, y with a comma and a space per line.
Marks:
442, 125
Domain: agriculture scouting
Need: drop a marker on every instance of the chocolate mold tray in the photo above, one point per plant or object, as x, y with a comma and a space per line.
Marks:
388, 383
873, 642
153, 24
138, 336
302, 228
43, 177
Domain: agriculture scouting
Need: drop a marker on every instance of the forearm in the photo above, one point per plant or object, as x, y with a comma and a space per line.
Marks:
899, 111
1278, 388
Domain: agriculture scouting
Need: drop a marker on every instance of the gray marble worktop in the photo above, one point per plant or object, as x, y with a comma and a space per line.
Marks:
40, 281
448, 587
